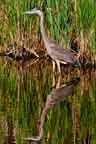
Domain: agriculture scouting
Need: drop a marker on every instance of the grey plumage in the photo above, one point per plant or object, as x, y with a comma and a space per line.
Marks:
54, 50
63, 55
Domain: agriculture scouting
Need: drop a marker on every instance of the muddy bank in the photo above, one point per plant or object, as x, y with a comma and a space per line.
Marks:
21, 53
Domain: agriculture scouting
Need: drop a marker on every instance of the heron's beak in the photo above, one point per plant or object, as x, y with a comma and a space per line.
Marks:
32, 11
29, 12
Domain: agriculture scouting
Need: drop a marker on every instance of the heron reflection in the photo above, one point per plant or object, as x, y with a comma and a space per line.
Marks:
56, 96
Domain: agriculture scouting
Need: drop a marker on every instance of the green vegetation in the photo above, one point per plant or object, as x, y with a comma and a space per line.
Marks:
23, 92
23, 95
62, 19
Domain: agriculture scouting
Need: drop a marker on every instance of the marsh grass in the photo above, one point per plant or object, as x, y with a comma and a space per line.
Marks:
22, 95
61, 19
22, 98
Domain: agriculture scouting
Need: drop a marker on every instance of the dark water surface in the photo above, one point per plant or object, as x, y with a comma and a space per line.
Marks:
31, 106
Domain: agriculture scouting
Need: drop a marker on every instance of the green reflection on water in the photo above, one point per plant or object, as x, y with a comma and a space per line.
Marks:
23, 94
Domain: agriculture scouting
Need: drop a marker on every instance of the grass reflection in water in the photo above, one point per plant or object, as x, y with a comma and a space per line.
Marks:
23, 95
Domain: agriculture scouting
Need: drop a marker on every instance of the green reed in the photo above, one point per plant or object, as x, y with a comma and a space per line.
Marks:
23, 95
61, 18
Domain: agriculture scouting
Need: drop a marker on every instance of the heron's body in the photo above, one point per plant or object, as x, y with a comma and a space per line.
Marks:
60, 54
54, 50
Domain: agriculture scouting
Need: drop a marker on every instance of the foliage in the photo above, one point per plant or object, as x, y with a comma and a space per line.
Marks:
62, 17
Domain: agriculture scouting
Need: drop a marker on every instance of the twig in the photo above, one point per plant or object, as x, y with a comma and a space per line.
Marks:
32, 51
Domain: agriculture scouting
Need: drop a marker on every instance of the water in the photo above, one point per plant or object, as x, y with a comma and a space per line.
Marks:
31, 106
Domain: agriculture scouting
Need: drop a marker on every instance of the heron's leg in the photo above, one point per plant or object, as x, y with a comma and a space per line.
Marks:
53, 80
53, 66
58, 82
58, 65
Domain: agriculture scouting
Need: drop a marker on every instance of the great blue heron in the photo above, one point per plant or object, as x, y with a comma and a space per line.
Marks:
54, 50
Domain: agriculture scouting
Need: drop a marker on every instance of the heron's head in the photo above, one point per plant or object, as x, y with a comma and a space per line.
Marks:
34, 11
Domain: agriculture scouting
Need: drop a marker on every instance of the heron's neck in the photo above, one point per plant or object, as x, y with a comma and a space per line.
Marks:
42, 28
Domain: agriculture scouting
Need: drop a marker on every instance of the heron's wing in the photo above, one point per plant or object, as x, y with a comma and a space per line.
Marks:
58, 52
57, 95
